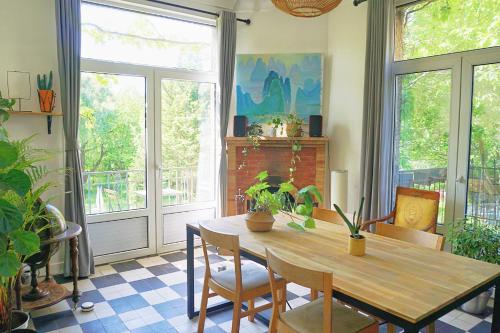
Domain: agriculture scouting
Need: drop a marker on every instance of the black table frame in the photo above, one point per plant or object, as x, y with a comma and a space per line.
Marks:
406, 325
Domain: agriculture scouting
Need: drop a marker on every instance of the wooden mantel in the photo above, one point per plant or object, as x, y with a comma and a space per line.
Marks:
274, 155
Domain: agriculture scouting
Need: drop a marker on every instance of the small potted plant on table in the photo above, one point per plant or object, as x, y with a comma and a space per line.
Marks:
357, 242
478, 240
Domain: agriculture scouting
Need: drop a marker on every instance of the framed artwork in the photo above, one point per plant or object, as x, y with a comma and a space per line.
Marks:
270, 85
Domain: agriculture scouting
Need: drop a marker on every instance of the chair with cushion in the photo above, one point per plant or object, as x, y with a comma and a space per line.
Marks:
422, 238
321, 315
415, 209
243, 283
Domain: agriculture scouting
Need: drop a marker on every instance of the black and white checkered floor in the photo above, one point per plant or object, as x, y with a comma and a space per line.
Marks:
149, 295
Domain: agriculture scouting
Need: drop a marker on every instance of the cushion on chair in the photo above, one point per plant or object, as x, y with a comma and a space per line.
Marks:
252, 276
309, 318
414, 212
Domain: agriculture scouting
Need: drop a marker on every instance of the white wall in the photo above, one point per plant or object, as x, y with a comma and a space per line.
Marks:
28, 37
346, 65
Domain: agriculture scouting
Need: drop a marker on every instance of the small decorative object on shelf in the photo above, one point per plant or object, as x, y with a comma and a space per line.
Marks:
19, 87
46, 95
293, 125
357, 242
276, 124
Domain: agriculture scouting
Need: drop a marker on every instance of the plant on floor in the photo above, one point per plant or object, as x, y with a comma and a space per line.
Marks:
356, 223
476, 239
20, 210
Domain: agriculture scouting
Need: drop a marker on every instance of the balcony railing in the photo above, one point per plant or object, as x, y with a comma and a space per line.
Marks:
483, 196
112, 191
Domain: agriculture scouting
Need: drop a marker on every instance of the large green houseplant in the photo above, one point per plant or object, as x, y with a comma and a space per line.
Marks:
480, 240
21, 208
265, 204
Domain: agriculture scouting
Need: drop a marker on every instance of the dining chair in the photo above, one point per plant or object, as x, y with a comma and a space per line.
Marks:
326, 215
320, 315
414, 208
422, 238
243, 283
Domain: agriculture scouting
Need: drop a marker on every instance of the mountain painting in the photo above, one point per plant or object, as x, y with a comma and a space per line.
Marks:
277, 84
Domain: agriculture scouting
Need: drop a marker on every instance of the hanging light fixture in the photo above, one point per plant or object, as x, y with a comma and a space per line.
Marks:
306, 8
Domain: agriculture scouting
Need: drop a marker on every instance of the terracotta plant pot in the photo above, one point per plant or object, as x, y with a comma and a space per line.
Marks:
46, 99
357, 246
259, 221
293, 130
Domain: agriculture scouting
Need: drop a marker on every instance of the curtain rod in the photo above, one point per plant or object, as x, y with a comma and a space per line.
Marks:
357, 2
246, 21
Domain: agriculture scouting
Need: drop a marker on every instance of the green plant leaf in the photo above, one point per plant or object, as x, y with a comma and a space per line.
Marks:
9, 264
3, 244
9, 154
10, 217
4, 115
296, 226
312, 189
16, 181
310, 223
286, 187
301, 210
25, 242
262, 175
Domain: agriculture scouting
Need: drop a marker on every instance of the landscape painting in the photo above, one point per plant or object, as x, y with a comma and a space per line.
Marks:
278, 84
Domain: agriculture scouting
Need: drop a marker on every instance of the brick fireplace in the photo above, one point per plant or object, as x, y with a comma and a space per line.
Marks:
274, 155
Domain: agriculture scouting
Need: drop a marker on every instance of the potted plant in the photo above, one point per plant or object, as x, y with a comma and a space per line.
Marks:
476, 239
276, 123
357, 242
20, 210
293, 125
46, 95
264, 204
305, 199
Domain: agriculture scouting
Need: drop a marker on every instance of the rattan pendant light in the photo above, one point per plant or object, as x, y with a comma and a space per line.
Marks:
306, 8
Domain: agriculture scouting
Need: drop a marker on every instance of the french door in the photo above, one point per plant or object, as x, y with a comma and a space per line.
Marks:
447, 114
148, 143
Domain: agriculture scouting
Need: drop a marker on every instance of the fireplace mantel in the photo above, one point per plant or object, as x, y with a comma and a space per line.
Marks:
274, 155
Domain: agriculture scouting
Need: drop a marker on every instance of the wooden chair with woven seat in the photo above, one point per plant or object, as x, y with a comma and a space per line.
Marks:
422, 238
243, 283
415, 209
321, 315
326, 215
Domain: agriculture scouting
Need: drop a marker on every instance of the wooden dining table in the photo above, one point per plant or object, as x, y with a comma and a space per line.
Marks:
405, 284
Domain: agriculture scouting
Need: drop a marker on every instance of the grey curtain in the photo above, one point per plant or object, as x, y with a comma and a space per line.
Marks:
377, 153
68, 52
226, 38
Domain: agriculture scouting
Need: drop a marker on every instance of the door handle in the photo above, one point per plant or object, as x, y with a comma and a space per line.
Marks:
461, 180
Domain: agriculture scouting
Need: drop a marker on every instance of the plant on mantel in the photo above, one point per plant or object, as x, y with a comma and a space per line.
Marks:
265, 204
20, 210
293, 131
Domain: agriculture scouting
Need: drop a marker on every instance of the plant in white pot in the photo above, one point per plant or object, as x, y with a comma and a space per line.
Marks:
357, 242
478, 240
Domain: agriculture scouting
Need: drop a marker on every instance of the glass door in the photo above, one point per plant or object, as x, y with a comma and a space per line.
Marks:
478, 185
185, 157
115, 144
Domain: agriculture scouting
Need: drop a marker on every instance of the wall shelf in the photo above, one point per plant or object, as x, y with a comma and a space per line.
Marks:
49, 116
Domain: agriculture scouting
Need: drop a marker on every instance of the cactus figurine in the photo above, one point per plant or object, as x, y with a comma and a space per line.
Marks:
42, 82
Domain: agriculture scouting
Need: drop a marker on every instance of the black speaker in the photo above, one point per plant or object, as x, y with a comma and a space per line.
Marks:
240, 126
316, 126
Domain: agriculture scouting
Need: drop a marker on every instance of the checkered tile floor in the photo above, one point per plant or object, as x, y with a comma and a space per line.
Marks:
149, 295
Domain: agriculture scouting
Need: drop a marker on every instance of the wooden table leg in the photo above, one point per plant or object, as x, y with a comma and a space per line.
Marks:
74, 269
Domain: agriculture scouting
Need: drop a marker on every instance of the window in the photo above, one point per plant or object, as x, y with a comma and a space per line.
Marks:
433, 27
444, 103
137, 38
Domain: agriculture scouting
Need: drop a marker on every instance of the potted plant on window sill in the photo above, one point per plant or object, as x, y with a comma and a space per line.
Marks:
478, 240
357, 242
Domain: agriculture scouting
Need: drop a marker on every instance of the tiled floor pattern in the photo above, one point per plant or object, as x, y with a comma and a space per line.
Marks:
149, 295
